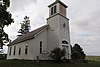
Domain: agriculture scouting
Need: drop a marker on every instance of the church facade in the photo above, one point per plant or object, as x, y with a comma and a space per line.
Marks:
40, 42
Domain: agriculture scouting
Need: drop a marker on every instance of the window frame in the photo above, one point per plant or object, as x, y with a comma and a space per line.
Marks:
41, 46
54, 9
19, 53
26, 49
14, 50
10, 49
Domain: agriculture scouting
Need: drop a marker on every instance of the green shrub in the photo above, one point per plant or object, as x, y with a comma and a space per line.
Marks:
77, 53
57, 54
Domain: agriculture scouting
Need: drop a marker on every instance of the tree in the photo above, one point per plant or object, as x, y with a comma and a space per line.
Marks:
5, 20
25, 26
57, 54
77, 53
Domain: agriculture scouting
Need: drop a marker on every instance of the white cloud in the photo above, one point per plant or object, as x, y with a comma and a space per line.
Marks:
85, 25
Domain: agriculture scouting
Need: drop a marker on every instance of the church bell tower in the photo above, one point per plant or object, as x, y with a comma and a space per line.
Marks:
58, 32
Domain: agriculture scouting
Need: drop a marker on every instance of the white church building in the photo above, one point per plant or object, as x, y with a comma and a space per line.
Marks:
39, 43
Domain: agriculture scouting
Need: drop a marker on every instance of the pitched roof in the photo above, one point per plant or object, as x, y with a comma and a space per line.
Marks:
27, 36
58, 1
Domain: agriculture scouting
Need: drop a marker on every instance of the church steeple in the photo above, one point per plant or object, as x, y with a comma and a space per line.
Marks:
57, 7
58, 30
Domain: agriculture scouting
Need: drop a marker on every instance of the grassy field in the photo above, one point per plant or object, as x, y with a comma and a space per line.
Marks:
17, 63
93, 58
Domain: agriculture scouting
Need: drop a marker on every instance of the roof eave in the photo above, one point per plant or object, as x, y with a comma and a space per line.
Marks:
20, 41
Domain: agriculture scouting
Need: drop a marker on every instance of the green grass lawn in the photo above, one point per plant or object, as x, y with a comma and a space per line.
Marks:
17, 63
93, 58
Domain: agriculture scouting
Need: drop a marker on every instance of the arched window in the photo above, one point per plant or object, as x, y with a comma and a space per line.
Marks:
53, 10
26, 49
64, 42
14, 50
40, 46
10, 51
19, 51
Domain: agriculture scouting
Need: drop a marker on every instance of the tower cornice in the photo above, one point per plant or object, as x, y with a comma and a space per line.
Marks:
57, 14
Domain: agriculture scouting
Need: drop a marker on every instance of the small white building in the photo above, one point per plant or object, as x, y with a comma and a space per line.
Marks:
40, 42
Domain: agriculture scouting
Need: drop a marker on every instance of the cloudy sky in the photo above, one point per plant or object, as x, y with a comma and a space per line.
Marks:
84, 21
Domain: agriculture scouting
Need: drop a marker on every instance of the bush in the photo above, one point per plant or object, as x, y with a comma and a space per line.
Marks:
3, 56
58, 54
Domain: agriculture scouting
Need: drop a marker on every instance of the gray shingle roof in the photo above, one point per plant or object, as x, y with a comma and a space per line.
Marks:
27, 36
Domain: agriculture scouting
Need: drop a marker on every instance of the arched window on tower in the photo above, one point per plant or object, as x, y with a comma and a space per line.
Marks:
54, 9
64, 42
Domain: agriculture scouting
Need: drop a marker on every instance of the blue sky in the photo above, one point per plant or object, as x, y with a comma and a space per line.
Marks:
84, 21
